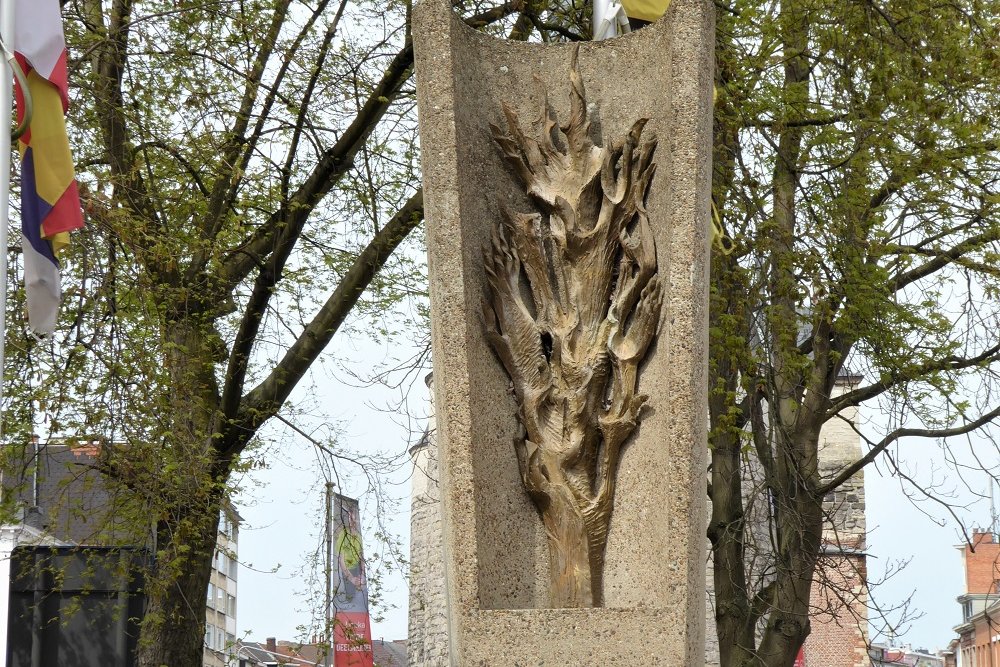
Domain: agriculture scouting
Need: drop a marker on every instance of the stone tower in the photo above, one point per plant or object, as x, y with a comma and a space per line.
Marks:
427, 645
839, 619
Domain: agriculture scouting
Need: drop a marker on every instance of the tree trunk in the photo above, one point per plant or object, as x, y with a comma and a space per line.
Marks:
189, 499
571, 578
173, 629
798, 549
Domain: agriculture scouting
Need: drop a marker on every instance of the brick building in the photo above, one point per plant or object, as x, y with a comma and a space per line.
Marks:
979, 633
949, 656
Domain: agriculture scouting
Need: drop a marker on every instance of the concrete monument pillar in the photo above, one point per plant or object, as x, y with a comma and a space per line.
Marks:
567, 196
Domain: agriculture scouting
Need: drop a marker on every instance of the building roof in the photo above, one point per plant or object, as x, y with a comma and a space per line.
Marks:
293, 654
905, 655
302, 655
255, 654
63, 493
389, 654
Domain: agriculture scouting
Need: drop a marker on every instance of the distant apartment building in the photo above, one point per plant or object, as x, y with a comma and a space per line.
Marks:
979, 632
906, 656
220, 616
949, 655
59, 498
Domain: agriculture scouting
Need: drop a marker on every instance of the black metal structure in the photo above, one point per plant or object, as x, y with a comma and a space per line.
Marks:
75, 606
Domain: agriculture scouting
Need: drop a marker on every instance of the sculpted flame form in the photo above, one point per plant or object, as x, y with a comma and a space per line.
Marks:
573, 303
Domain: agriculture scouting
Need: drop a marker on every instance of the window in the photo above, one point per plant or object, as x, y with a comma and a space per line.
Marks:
230, 640
232, 568
227, 526
231, 608
220, 599
215, 638
211, 596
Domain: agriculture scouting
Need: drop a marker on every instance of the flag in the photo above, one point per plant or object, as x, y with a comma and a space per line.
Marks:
645, 11
50, 201
609, 19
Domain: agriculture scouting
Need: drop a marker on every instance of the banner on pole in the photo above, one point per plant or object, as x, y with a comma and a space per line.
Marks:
50, 200
351, 626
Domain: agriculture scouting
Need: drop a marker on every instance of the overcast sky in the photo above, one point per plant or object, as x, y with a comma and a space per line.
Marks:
282, 506
923, 533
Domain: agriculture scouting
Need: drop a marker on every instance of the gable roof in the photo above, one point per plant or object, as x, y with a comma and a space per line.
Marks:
389, 654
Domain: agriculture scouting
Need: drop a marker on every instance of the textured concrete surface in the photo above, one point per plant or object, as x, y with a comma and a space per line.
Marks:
495, 550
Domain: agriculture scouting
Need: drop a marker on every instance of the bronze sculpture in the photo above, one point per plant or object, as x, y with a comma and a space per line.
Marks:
573, 304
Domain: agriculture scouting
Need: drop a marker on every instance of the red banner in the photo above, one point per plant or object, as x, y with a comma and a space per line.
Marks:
800, 659
352, 634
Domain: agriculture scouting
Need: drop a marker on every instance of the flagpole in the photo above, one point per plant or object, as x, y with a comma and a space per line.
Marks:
8, 537
6, 103
600, 29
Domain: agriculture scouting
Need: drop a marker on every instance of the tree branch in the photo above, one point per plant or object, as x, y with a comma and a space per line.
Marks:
110, 69
846, 473
950, 363
225, 185
284, 225
263, 401
286, 172
944, 258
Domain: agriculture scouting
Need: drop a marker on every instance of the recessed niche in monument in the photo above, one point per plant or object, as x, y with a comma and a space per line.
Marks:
573, 303
597, 153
